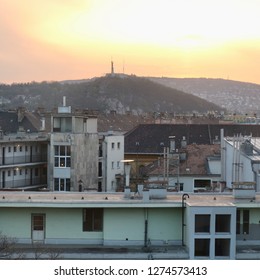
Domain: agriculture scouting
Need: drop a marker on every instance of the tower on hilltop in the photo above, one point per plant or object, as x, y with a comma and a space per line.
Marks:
112, 68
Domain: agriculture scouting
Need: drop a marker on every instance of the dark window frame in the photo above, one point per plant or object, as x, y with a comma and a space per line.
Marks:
92, 219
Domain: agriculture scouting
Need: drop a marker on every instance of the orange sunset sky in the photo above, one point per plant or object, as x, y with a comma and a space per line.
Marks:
46, 40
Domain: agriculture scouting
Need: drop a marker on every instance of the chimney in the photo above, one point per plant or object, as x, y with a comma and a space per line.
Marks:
20, 113
43, 124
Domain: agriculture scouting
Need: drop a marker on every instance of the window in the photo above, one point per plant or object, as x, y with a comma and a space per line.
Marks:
222, 247
202, 184
8, 173
9, 149
36, 172
62, 184
20, 148
15, 149
21, 171
62, 124
93, 219
113, 145
118, 165
245, 221
202, 223
201, 248
242, 222
62, 156
118, 145
14, 172
180, 186
38, 221
100, 169
112, 165
222, 223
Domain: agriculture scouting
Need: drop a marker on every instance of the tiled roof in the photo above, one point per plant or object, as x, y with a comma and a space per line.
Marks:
9, 122
195, 162
152, 138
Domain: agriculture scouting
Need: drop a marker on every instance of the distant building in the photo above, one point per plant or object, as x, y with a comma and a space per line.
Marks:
241, 162
161, 225
166, 216
23, 161
148, 143
110, 163
67, 155
73, 158
195, 168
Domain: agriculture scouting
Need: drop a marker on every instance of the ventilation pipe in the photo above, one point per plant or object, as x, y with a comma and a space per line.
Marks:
146, 228
184, 196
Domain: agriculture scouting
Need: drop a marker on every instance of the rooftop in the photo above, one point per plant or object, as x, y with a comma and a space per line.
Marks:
96, 199
195, 161
152, 138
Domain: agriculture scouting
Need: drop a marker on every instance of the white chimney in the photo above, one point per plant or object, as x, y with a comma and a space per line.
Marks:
64, 101
43, 124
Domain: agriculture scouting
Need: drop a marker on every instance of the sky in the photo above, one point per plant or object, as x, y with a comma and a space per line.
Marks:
54, 40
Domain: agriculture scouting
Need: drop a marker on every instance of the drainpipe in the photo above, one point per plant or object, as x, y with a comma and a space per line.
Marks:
255, 169
145, 228
184, 196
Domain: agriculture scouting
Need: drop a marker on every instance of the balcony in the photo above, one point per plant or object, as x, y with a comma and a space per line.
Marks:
25, 182
9, 161
244, 190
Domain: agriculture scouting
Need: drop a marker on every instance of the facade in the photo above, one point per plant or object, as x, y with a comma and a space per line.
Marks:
241, 162
181, 205
23, 161
147, 142
111, 167
73, 161
68, 155
203, 226
195, 168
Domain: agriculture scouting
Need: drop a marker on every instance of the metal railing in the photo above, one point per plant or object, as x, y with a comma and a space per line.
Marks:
24, 182
22, 159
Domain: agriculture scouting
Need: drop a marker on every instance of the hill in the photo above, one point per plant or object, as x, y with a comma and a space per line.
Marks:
235, 96
121, 93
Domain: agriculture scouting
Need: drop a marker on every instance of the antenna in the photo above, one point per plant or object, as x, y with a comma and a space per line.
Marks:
112, 67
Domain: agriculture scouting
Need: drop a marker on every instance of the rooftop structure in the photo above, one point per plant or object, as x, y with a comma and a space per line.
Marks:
178, 226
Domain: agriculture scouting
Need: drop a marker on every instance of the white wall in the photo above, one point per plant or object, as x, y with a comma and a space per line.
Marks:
214, 166
246, 173
113, 155
188, 181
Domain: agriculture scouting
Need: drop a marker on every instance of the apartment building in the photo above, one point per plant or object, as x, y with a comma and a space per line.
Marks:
73, 151
62, 152
111, 167
23, 161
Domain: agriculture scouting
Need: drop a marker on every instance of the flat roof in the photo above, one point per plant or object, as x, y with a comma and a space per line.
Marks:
115, 200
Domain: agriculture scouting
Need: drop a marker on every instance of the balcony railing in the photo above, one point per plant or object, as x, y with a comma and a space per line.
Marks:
22, 159
26, 182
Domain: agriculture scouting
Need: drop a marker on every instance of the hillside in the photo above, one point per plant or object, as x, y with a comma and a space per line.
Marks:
120, 93
236, 97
